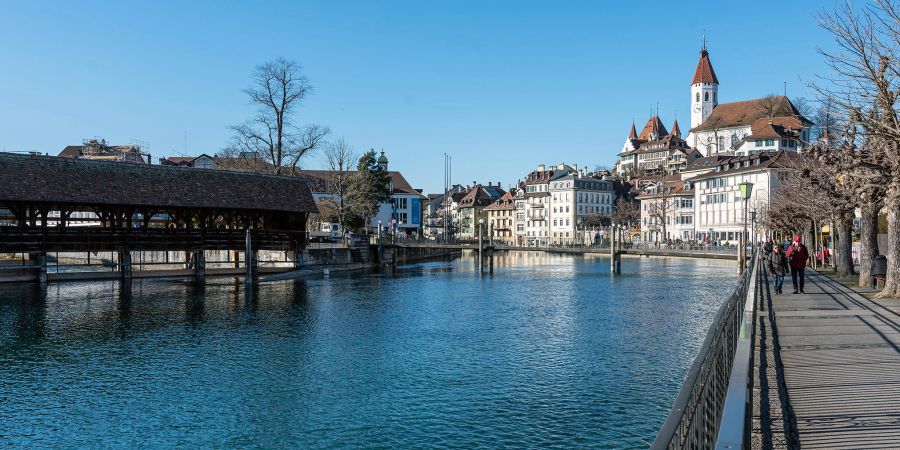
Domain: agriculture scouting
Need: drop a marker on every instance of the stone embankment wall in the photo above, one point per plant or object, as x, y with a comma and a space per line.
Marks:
404, 255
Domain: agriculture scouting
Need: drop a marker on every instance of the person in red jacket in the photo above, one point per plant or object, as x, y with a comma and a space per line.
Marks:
797, 255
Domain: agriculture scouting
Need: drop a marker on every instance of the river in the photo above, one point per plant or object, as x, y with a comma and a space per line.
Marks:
549, 351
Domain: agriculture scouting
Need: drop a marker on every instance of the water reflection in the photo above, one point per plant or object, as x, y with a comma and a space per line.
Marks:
549, 350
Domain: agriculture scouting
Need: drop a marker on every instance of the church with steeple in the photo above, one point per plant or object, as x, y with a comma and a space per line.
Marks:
748, 127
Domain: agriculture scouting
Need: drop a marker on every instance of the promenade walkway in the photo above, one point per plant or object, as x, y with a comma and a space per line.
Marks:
828, 369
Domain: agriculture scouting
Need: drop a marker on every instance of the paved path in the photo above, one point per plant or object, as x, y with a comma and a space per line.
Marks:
836, 356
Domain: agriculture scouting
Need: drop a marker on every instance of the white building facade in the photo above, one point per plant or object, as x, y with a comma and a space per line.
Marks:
719, 207
574, 199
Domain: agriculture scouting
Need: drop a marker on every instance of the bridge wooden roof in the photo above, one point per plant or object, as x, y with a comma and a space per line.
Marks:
64, 181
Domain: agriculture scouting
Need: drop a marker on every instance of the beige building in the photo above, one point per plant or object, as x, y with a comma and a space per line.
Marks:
502, 220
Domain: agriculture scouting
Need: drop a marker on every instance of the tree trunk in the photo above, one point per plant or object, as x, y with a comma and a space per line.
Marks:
892, 279
844, 247
868, 242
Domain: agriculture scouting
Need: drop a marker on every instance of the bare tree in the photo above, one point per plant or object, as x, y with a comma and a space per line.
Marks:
660, 206
865, 89
342, 160
277, 92
626, 212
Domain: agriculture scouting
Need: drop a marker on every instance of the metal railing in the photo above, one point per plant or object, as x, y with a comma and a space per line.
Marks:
696, 417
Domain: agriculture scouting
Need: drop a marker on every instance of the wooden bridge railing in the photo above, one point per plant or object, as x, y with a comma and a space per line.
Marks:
52, 239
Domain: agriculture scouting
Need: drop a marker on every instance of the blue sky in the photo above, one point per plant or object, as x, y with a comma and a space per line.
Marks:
501, 86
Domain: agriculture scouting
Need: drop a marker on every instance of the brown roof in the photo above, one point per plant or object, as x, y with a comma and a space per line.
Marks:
539, 177
654, 126
707, 162
71, 151
747, 112
665, 143
776, 128
479, 196
633, 133
50, 179
179, 160
674, 183
507, 202
704, 72
770, 160
399, 183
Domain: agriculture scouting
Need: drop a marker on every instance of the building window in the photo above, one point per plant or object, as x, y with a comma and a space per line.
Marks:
770, 142
697, 97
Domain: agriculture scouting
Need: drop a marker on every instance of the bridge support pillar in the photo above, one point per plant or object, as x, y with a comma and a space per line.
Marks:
40, 260
618, 260
199, 265
612, 249
297, 258
125, 264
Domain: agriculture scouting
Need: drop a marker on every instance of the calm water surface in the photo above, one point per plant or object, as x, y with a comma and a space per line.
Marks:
550, 351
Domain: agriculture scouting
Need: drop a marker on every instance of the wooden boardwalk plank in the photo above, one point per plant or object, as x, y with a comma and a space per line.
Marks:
840, 354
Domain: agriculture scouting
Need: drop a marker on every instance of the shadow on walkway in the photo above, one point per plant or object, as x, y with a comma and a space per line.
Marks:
836, 357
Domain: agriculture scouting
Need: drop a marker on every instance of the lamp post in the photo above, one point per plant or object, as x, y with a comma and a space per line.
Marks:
746, 191
753, 230
480, 246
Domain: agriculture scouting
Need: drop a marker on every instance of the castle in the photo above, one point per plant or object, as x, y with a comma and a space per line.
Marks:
740, 128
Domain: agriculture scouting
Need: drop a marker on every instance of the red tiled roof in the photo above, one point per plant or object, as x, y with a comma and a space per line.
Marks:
653, 126
675, 129
749, 111
633, 133
704, 72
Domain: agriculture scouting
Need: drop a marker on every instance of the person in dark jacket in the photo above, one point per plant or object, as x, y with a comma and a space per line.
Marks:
797, 255
767, 248
777, 265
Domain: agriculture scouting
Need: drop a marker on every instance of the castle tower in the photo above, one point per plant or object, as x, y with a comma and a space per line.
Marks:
704, 89
675, 130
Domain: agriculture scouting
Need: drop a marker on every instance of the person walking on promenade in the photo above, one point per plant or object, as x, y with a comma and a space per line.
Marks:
777, 265
797, 255
767, 248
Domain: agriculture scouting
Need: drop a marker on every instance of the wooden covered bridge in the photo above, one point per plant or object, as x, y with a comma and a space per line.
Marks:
51, 204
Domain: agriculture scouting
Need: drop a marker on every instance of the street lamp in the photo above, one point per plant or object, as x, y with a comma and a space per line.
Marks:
746, 192
753, 230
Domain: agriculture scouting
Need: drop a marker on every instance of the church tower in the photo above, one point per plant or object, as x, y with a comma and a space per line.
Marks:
704, 89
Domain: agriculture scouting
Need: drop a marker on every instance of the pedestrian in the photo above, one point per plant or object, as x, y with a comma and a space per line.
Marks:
777, 265
797, 256
767, 248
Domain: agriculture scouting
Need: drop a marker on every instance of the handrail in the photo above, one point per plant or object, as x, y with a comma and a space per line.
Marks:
694, 419
734, 426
